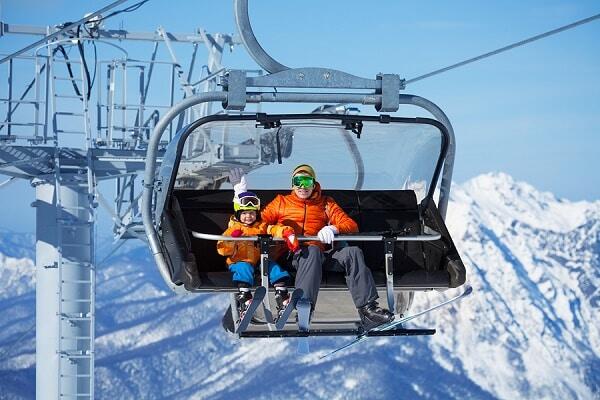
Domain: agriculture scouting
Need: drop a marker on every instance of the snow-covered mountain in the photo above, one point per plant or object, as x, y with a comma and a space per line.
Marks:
529, 330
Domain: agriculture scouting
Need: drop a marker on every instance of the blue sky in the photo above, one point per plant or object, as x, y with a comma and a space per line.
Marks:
533, 112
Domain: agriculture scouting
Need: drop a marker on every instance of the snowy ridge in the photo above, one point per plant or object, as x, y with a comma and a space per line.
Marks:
17, 276
17, 319
528, 331
504, 200
17, 245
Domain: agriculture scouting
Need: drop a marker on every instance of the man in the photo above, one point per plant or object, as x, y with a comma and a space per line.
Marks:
310, 213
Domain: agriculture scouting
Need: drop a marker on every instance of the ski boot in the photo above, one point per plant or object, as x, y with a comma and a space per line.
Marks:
371, 315
282, 299
243, 302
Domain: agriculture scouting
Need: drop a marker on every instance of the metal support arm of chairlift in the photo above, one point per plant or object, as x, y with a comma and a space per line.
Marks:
385, 96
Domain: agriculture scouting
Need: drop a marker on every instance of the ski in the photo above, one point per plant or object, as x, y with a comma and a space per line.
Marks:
257, 298
282, 320
303, 307
399, 320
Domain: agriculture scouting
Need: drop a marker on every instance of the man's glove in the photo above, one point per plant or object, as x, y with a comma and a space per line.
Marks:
236, 233
327, 233
290, 240
238, 180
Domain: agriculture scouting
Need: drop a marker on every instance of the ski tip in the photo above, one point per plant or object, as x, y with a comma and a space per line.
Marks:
468, 290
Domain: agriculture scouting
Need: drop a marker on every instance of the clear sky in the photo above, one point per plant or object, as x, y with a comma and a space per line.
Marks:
532, 112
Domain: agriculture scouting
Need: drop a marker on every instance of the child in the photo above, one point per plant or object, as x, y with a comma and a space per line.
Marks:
242, 256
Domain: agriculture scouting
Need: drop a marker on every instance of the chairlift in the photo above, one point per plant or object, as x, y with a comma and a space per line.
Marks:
382, 170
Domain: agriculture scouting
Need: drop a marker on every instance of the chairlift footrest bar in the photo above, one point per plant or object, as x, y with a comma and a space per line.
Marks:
296, 333
402, 332
335, 332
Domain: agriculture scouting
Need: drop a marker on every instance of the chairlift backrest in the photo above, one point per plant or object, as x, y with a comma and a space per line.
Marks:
417, 265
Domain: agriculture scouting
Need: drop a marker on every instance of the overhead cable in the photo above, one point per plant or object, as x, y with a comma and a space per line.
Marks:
505, 48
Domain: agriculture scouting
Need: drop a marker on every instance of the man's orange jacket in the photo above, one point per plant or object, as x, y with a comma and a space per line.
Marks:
307, 217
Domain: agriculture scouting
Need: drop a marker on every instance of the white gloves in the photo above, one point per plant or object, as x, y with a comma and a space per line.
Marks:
327, 233
238, 180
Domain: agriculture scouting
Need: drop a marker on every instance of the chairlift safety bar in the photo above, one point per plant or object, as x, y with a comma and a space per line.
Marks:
433, 235
265, 240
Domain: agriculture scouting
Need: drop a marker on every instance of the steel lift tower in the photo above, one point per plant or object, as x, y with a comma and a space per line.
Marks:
65, 130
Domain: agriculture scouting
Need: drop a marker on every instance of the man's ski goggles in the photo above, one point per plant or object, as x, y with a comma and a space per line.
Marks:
303, 181
249, 201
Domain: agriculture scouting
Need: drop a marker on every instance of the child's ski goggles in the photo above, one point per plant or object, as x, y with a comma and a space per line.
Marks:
303, 181
249, 201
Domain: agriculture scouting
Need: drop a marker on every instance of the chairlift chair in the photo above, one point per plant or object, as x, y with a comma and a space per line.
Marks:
382, 170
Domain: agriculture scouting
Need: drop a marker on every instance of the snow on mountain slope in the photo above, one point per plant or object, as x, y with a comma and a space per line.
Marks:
17, 326
17, 245
535, 261
528, 331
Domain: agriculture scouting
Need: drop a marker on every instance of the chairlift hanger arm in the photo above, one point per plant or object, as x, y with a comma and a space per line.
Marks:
327, 78
250, 42
387, 86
